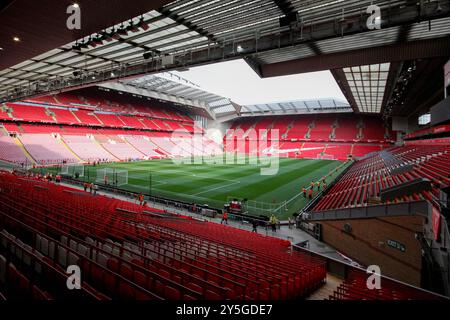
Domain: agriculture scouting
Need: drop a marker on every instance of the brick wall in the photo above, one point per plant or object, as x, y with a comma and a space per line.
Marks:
370, 242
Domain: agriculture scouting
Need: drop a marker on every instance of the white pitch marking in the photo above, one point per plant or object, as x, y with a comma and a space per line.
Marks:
220, 187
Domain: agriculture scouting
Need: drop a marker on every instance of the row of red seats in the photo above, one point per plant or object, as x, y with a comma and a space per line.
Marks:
66, 129
217, 262
319, 127
92, 118
367, 178
33, 276
303, 150
355, 288
108, 102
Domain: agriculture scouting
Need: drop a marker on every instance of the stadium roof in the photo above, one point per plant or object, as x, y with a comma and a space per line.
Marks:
171, 87
299, 106
275, 37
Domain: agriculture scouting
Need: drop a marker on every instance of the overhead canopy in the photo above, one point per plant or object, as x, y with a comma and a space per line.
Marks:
275, 37
298, 107
174, 88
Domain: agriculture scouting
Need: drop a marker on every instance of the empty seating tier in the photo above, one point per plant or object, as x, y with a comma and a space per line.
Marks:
355, 288
367, 178
126, 253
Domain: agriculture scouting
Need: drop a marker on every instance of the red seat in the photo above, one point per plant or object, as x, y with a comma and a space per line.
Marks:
172, 294
126, 291
112, 265
194, 287
211, 295
140, 279
126, 271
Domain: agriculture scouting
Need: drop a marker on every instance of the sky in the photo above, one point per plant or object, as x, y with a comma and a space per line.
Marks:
237, 81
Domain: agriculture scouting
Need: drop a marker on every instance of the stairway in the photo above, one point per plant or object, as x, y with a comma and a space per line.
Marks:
156, 125
3, 131
4, 108
269, 128
327, 290
51, 114
124, 124
101, 146
133, 146
333, 132
124, 140
95, 116
61, 141
75, 116
311, 126
20, 127
289, 128
56, 99
142, 122
25, 151
324, 152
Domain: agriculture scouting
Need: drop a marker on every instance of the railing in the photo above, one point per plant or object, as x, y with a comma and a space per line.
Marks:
420, 208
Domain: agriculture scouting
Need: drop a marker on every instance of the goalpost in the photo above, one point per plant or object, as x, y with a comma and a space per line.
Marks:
112, 177
325, 157
262, 208
73, 170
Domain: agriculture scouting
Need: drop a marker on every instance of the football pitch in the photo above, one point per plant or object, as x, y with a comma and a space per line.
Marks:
215, 184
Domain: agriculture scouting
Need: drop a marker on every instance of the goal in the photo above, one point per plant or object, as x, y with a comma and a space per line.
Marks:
112, 177
73, 170
325, 157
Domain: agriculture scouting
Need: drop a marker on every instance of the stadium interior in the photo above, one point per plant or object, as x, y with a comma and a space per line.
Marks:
115, 162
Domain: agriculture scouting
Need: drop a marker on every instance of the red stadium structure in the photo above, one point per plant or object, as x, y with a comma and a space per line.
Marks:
113, 92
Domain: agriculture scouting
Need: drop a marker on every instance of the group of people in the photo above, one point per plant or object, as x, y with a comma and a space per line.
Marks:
49, 177
91, 187
273, 222
308, 193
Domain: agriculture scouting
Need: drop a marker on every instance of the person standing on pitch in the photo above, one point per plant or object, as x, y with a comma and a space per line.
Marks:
224, 218
310, 193
273, 223
255, 225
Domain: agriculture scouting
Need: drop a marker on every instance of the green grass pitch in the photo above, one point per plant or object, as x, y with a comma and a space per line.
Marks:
214, 184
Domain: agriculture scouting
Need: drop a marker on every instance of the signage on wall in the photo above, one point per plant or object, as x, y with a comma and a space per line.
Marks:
436, 219
396, 245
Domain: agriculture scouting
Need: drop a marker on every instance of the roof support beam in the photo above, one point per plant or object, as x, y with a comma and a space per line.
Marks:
397, 52
191, 26
285, 6
254, 64
395, 17
342, 82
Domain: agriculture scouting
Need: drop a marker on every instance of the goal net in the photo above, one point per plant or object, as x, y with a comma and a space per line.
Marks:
112, 177
325, 157
73, 170
258, 208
